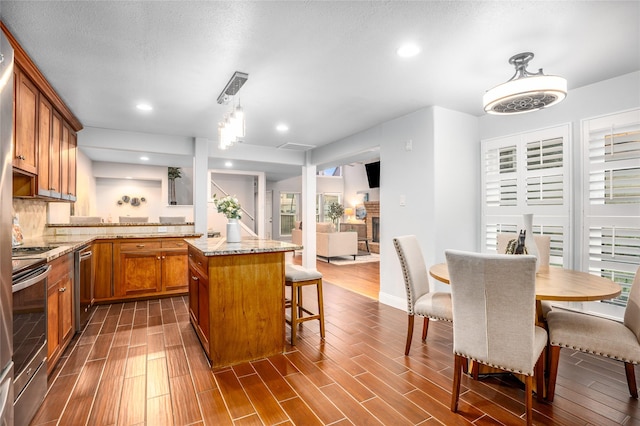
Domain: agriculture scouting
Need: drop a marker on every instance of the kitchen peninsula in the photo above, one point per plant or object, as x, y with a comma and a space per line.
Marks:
236, 297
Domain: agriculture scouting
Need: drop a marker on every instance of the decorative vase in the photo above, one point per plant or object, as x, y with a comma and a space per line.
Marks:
529, 240
233, 231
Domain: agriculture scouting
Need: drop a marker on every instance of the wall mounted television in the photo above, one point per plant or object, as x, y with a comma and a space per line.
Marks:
373, 174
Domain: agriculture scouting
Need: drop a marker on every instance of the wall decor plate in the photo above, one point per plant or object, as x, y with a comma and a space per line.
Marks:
135, 201
126, 198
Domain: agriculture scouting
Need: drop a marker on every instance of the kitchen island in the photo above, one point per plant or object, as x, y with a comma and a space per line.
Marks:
236, 297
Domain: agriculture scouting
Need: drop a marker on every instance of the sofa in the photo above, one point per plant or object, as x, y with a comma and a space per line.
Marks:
329, 243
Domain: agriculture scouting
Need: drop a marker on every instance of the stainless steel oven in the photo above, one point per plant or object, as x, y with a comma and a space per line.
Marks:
84, 287
29, 288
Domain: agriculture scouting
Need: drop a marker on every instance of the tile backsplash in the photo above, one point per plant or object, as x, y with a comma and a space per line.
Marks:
32, 215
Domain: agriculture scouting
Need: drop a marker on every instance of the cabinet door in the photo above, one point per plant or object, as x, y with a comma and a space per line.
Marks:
174, 270
56, 143
66, 308
102, 270
140, 272
26, 124
193, 294
45, 113
203, 308
73, 146
53, 322
64, 162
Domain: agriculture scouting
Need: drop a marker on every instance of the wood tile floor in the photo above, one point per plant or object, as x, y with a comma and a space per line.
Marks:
140, 363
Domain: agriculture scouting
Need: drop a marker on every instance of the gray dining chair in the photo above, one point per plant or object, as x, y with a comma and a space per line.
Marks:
543, 244
600, 336
420, 300
493, 297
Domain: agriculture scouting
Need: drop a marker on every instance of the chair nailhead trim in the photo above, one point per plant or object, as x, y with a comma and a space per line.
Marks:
577, 348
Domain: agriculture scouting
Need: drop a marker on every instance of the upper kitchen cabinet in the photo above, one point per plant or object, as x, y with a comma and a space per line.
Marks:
26, 124
45, 134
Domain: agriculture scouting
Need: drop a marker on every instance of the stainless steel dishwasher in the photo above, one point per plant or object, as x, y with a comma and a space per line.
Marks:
83, 286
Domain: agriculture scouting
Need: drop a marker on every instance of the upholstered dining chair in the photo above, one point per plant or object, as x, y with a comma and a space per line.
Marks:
420, 300
493, 297
543, 244
600, 336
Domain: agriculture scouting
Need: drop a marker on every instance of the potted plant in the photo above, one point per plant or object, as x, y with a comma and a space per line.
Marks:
173, 174
335, 212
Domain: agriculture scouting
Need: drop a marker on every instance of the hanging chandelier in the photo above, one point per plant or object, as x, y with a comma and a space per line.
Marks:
525, 91
232, 128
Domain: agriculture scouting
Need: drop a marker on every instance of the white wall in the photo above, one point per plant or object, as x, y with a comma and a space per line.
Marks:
110, 186
440, 200
241, 186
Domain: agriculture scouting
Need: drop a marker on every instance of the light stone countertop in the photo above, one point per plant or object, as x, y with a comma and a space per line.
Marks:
220, 246
63, 244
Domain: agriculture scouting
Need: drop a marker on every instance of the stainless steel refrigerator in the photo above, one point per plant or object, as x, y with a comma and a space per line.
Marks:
6, 203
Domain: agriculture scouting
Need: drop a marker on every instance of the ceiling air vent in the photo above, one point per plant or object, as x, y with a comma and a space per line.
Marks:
296, 146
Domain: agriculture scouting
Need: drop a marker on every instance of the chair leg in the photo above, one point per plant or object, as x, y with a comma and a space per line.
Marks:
407, 348
539, 372
475, 370
320, 307
528, 399
631, 379
457, 374
294, 313
425, 328
300, 302
554, 357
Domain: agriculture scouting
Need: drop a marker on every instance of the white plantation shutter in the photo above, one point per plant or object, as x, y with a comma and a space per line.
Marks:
528, 173
612, 197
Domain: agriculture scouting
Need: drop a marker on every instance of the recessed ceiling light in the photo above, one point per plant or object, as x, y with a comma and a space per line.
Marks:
144, 158
408, 50
282, 127
144, 107
228, 164
128, 177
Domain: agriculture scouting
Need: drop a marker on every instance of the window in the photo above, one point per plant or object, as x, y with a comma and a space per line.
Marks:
528, 173
611, 231
289, 211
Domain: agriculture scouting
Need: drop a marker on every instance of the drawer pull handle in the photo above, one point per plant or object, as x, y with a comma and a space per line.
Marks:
158, 257
140, 245
164, 257
62, 289
21, 157
194, 278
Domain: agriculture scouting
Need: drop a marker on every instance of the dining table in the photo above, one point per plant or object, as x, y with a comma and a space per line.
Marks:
554, 283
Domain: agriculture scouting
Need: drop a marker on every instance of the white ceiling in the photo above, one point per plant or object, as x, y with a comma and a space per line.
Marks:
327, 69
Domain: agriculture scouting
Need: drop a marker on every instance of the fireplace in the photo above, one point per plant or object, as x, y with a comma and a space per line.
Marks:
375, 228
373, 225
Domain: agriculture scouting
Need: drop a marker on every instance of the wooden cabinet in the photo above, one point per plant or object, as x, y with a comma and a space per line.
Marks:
238, 311
140, 268
103, 270
199, 299
25, 142
68, 163
59, 308
42, 124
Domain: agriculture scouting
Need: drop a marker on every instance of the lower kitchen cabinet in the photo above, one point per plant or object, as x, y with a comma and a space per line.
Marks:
199, 303
102, 270
60, 328
139, 268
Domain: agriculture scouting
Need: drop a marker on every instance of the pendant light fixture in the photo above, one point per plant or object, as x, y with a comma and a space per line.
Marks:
525, 91
232, 129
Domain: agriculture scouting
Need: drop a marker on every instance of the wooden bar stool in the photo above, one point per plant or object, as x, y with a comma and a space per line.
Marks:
297, 277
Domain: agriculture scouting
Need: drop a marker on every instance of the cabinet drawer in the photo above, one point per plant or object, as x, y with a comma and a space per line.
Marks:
174, 244
199, 261
140, 246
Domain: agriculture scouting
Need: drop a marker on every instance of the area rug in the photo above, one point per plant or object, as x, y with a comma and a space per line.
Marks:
348, 260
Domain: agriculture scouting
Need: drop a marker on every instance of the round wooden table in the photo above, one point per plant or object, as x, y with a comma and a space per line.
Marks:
555, 283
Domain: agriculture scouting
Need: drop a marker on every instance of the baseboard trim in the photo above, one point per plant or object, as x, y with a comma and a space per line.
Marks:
393, 301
